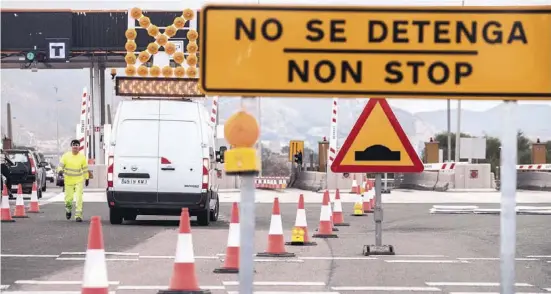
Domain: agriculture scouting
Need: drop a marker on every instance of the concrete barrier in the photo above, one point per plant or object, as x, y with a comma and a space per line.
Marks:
534, 180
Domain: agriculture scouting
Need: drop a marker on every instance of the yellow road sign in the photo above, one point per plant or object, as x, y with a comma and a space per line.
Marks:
294, 148
409, 52
377, 144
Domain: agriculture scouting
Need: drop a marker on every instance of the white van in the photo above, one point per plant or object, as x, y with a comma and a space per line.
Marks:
160, 160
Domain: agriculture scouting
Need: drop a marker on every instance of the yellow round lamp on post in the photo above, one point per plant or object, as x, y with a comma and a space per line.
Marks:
241, 130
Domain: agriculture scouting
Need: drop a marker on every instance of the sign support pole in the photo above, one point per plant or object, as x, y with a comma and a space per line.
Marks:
378, 248
378, 211
508, 198
247, 228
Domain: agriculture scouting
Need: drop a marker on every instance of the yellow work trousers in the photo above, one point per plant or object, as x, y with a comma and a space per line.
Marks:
70, 192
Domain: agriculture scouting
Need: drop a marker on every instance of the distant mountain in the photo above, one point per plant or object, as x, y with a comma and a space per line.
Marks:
34, 107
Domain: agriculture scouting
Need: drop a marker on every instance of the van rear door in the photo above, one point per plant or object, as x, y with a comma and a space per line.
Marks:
136, 163
180, 162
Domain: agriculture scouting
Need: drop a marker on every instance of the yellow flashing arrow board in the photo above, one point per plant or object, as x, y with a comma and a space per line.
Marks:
294, 148
409, 52
377, 144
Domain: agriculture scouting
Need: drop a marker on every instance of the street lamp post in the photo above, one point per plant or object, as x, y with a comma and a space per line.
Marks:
57, 121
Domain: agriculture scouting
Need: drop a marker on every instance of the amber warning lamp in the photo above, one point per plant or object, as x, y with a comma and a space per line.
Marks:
157, 87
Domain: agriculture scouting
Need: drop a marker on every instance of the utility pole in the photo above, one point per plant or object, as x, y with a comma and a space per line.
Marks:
57, 121
449, 131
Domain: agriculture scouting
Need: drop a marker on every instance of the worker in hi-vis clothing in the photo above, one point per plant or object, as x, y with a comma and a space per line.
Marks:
75, 171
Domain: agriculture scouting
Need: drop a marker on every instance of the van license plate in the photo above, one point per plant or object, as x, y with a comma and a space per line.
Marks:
134, 181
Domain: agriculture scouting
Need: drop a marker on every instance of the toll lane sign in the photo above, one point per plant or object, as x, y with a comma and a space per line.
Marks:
463, 53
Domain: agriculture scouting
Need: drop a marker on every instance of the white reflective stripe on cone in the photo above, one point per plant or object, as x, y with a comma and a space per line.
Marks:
5, 202
233, 236
184, 249
325, 214
300, 221
19, 200
276, 228
95, 269
338, 206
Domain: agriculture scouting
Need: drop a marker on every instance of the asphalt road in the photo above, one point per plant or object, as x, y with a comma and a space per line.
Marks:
450, 253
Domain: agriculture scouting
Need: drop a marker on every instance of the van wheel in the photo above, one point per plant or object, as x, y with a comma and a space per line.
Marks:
130, 216
115, 216
203, 217
214, 214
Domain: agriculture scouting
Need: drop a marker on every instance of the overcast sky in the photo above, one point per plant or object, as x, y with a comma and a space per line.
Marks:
410, 105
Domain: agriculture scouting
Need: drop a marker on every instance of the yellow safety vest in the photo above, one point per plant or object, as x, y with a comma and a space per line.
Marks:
74, 167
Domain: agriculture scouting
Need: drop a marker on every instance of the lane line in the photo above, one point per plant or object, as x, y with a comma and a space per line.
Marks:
48, 292
496, 293
284, 292
422, 256
426, 261
539, 256
276, 283
4, 287
473, 284
336, 258
106, 253
29, 255
106, 259
132, 287
496, 258
279, 260
412, 289
172, 257
35, 282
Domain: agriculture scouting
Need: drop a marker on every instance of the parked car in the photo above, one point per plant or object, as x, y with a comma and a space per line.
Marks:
25, 171
40, 170
60, 180
50, 175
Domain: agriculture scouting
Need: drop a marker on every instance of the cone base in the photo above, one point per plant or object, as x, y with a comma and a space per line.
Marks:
282, 254
95, 291
368, 211
342, 225
226, 270
21, 216
334, 229
184, 292
301, 243
30, 211
325, 236
363, 214
8, 220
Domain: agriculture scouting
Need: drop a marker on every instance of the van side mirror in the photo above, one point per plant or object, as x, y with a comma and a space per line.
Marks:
220, 154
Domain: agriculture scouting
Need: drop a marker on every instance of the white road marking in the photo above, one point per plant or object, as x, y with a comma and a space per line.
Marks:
539, 256
34, 282
547, 289
496, 258
106, 253
496, 293
421, 256
4, 287
473, 284
128, 287
284, 292
47, 292
413, 289
236, 283
424, 261
336, 258
172, 257
106, 259
278, 260
29, 255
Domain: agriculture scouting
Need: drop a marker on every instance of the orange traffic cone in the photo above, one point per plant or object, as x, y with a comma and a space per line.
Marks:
34, 208
366, 199
355, 187
300, 222
338, 218
325, 229
95, 268
6, 211
331, 213
20, 204
276, 240
184, 279
231, 263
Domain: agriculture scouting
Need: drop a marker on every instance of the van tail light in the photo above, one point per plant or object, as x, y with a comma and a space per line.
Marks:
205, 185
165, 161
110, 164
33, 167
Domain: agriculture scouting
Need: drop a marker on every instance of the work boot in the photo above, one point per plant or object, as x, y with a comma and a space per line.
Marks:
68, 215
78, 219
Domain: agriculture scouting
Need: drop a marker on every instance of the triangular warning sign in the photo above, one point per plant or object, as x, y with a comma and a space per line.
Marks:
377, 144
